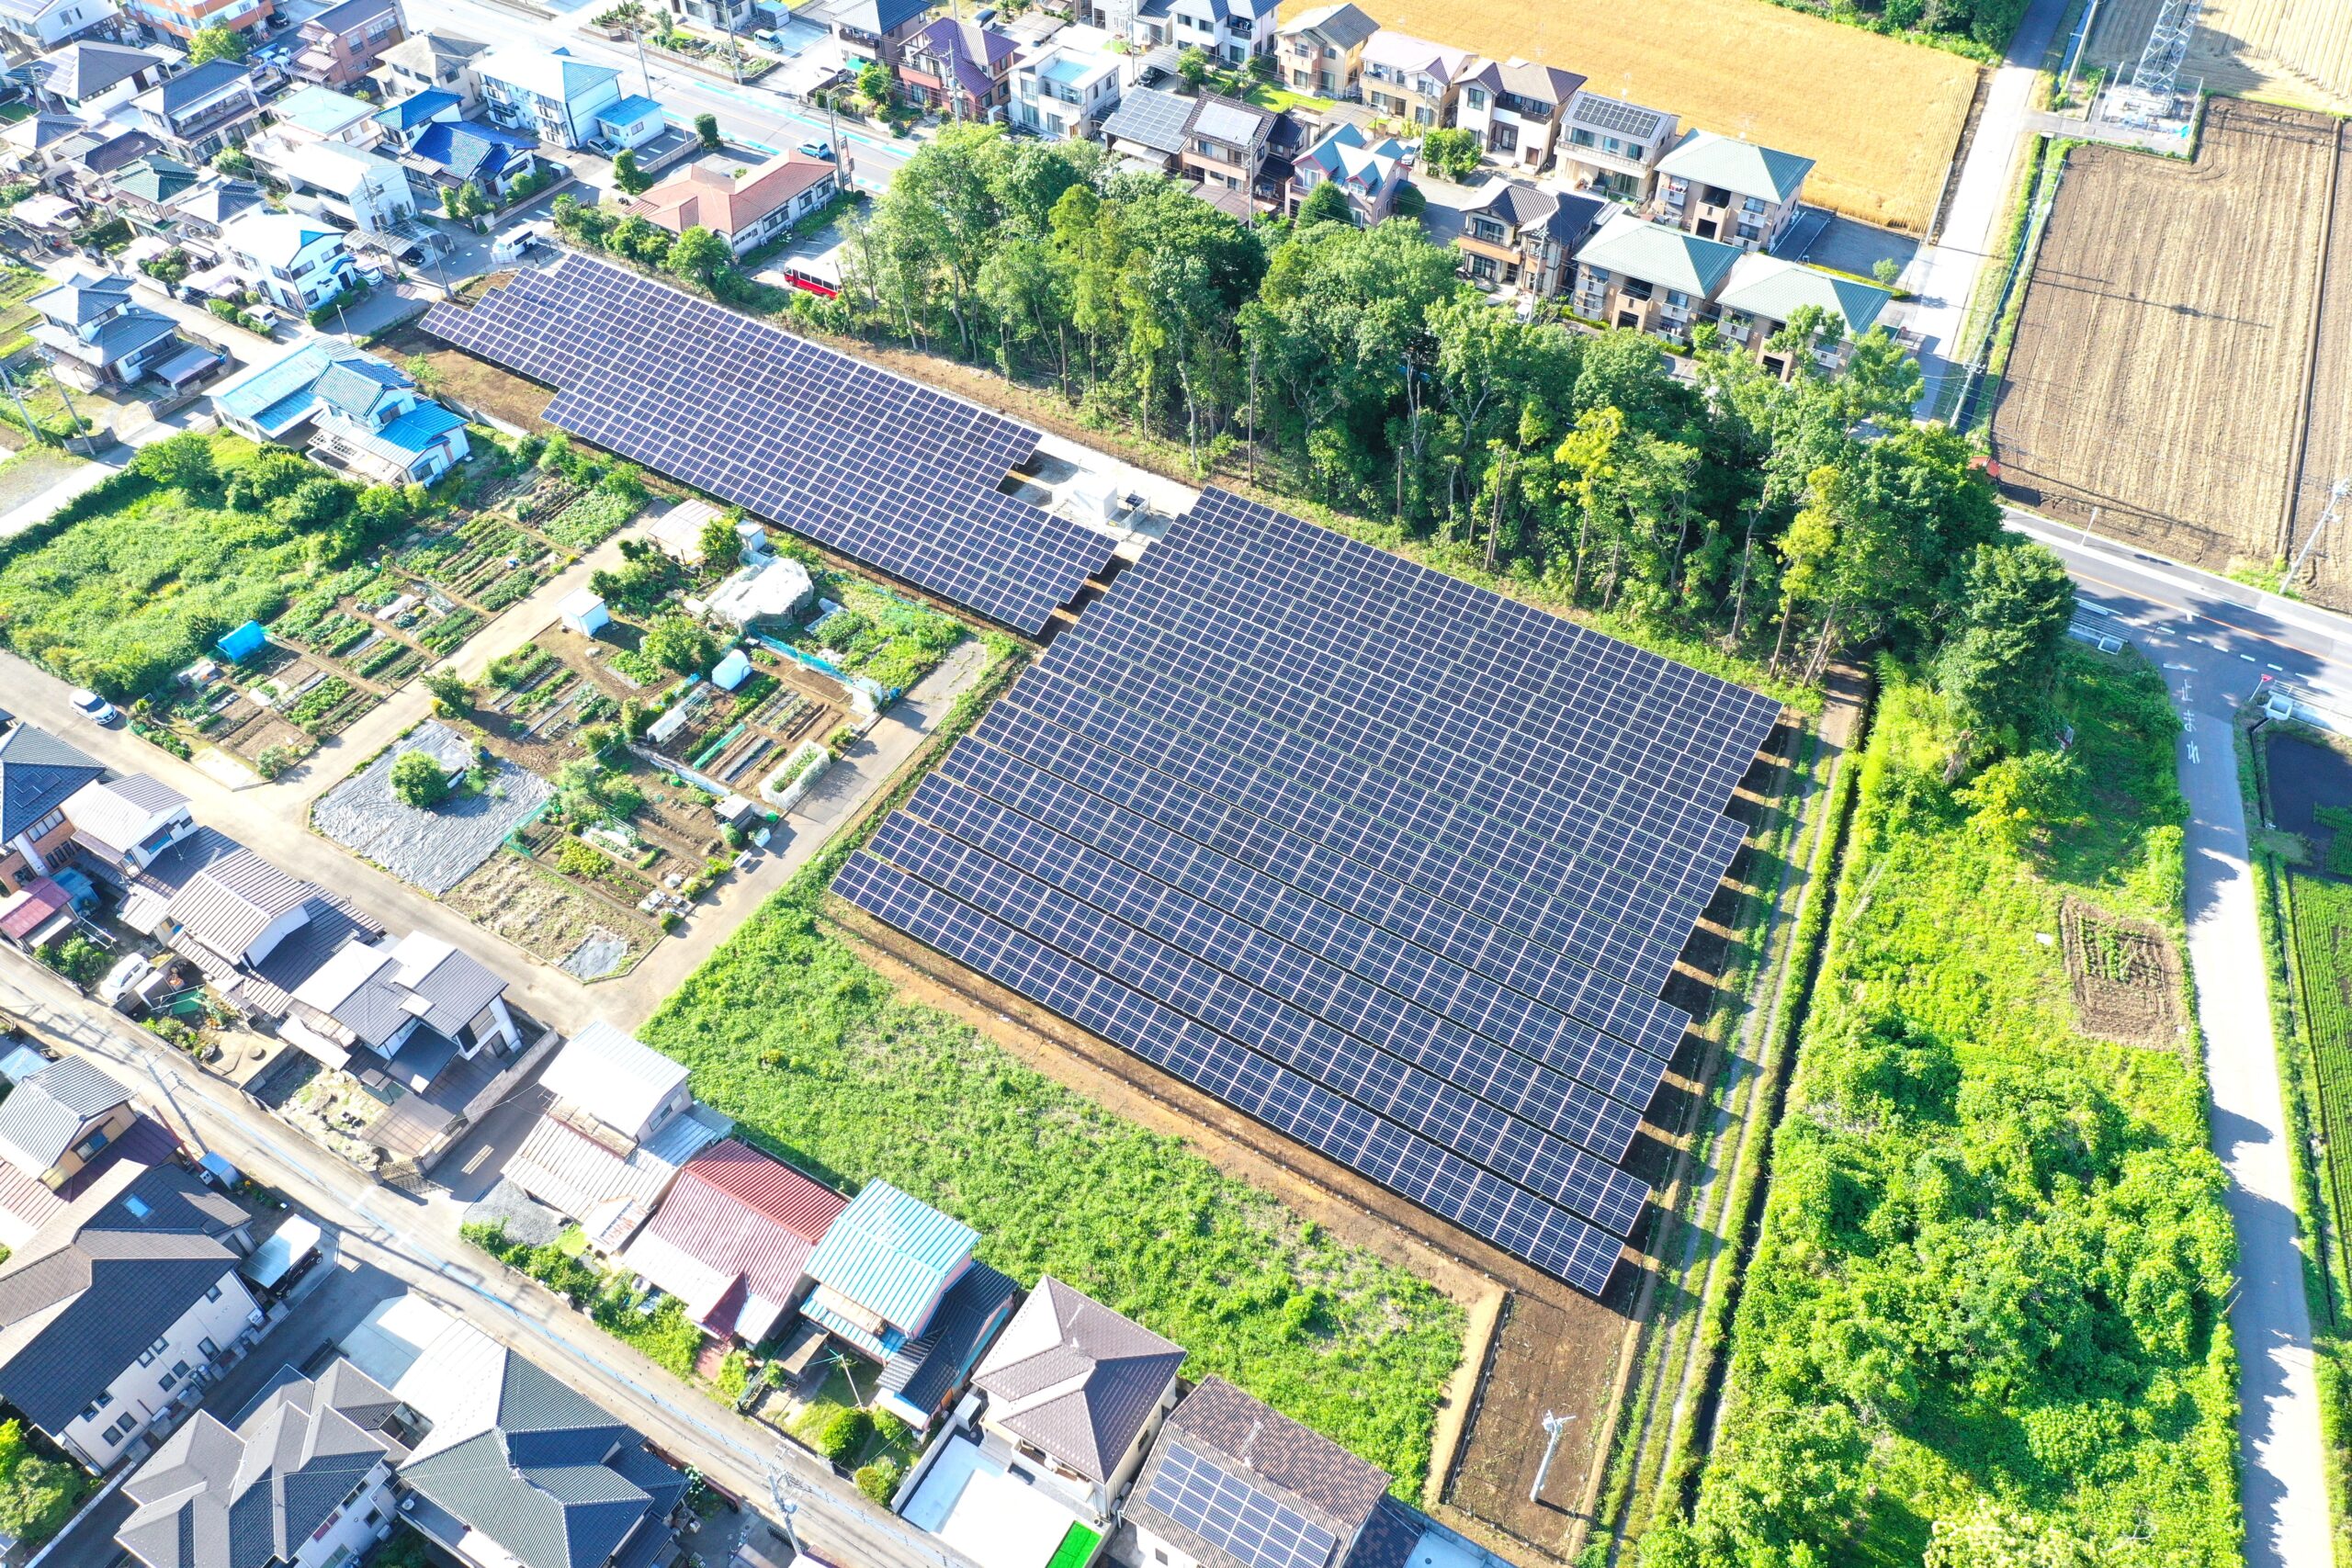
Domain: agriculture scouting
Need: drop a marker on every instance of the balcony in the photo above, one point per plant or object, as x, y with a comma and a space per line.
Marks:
203, 122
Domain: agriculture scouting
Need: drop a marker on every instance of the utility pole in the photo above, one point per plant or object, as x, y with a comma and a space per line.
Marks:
32, 431
2336, 495
1552, 1426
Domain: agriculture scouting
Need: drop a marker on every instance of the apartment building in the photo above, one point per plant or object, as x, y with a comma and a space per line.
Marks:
342, 44
1733, 191
1411, 80
1612, 148
1650, 277
1321, 50
1763, 293
1514, 108
564, 101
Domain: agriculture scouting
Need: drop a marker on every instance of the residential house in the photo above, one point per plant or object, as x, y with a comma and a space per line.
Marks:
364, 416
1514, 108
1228, 31
1225, 142
1062, 89
732, 1240
1368, 173
879, 29
432, 62
402, 1007
83, 162
89, 76
1737, 192
1075, 1393
211, 204
323, 114
1514, 234
1147, 131
450, 154
1649, 276
202, 110
298, 262
121, 824
39, 774
1612, 147
718, 16
303, 1480
144, 188
342, 43
120, 1311
746, 209
1321, 51
1765, 293
1411, 80
621, 1125
959, 69
97, 335
1226, 1469
518, 1470
35, 142
885, 1275
75, 1124
404, 118
348, 185
36, 27
563, 100
185, 18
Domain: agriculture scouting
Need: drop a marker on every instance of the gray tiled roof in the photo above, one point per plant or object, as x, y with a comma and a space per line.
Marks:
82, 1299
87, 68
1075, 1378
216, 1498
233, 897
38, 1121
37, 771
1150, 118
1270, 1454
926, 1373
193, 85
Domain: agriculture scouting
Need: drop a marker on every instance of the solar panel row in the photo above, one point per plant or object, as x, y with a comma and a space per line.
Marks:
881, 469
1279, 816
1234, 1516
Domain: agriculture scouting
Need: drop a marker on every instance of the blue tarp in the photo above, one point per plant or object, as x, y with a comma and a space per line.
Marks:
247, 638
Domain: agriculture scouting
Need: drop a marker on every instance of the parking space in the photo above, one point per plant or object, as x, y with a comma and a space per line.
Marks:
472, 1164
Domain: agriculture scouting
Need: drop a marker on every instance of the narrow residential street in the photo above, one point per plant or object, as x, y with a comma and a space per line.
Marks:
2215, 641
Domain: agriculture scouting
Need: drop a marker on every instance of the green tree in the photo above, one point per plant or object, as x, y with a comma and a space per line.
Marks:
218, 43
1327, 203
181, 462
698, 255
1451, 153
418, 780
449, 690
674, 642
1998, 670
722, 546
626, 176
1886, 270
707, 130
1195, 65
874, 84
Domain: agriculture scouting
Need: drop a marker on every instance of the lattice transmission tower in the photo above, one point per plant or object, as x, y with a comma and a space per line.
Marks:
2159, 67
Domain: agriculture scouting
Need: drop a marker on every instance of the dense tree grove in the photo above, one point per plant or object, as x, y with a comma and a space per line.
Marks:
1353, 369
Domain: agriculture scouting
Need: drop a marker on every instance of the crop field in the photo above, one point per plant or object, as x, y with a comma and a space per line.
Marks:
1882, 140
2323, 923
2161, 363
2287, 51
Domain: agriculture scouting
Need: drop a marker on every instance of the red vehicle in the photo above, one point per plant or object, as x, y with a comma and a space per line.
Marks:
810, 283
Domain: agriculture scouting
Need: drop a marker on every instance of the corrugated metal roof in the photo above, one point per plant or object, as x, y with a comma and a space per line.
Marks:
614, 1077
735, 1218
892, 1255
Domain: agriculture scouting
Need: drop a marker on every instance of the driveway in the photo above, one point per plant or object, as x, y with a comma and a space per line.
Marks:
471, 1166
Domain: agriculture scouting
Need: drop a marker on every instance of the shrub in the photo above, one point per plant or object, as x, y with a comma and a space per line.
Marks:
734, 1375
418, 780
843, 1433
677, 643
79, 959
450, 692
274, 760
880, 1480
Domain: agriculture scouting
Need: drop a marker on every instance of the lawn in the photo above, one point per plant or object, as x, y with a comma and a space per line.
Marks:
1277, 99
1741, 67
1989, 1289
814, 1055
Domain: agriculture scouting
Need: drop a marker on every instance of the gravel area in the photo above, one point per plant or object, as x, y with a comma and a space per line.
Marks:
435, 850
525, 1220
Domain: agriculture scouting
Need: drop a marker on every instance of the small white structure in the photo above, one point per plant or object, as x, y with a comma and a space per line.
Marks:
1097, 499
732, 670
584, 613
774, 591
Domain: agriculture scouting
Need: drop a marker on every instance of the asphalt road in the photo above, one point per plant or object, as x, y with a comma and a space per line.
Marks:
2217, 643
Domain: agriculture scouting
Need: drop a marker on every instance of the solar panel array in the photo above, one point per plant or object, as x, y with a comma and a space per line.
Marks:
1234, 1516
879, 468
1389, 862
1615, 116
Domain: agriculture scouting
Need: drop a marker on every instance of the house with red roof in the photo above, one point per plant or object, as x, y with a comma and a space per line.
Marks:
746, 208
732, 1239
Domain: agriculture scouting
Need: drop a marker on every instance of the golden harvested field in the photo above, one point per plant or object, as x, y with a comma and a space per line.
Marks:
1881, 119
2289, 52
2159, 369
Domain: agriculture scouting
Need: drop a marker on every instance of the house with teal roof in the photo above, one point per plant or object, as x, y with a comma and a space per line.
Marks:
1722, 188
1764, 293
1650, 277
353, 413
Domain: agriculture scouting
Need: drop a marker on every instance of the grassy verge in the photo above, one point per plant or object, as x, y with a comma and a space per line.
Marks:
2319, 1181
1986, 1302
812, 1053
2041, 192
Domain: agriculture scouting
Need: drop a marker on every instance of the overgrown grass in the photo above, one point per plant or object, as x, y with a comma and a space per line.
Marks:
814, 1054
1989, 1288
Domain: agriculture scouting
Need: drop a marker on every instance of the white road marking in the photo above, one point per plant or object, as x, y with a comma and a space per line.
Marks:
2281, 668
2170, 666
2192, 751
2248, 657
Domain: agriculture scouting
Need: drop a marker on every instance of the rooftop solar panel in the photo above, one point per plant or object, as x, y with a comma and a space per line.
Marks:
1617, 117
1234, 1516
883, 470
1390, 863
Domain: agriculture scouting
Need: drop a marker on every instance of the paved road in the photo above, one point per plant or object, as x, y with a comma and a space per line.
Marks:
1943, 275
2216, 641
416, 1242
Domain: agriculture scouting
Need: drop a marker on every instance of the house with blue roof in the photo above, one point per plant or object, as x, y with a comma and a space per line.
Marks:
450, 151
351, 411
404, 118
565, 100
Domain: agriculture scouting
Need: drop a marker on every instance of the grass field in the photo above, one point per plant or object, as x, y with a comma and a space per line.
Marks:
2152, 375
2321, 917
1994, 1256
1882, 139
811, 1052
2287, 51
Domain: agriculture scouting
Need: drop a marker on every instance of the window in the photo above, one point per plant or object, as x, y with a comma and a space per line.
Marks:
1635, 288
1475, 96
210, 1349
1486, 229
1504, 139
213, 1294
169, 1379
88, 1147
1679, 301
179, 1368
1753, 204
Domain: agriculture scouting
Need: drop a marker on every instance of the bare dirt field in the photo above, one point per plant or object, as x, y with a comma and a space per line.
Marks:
2288, 52
1882, 140
2124, 975
2160, 366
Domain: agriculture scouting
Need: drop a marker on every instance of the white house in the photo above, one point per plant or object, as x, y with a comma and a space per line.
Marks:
1514, 108
35, 26
299, 263
365, 189
121, 825
1066, 87
564, 100
1228, 30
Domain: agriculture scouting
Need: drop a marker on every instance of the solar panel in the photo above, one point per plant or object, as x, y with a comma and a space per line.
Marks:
1234, 1516
885, 470
1617, 117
